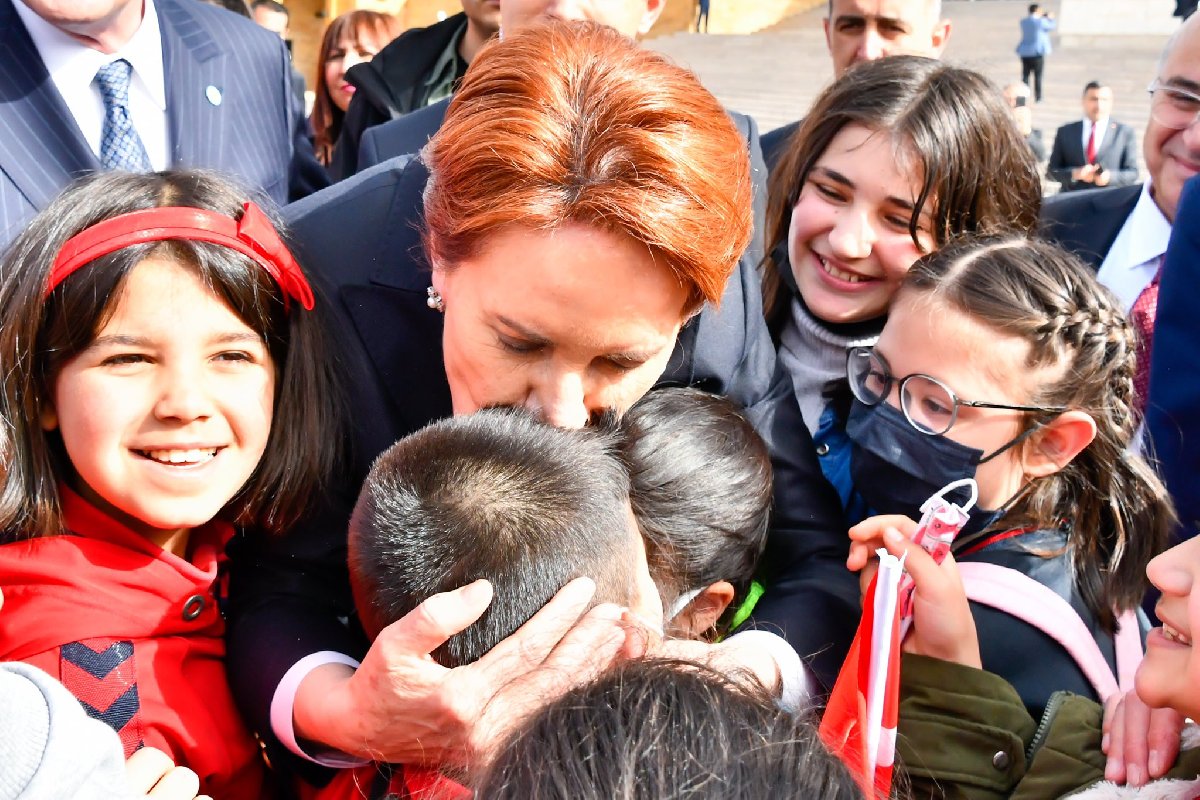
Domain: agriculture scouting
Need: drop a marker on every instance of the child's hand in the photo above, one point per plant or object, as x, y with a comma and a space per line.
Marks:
866, 538
1141, 742
942, 623
152, 773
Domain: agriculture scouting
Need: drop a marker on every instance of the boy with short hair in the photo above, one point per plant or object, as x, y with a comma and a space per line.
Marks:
495, 495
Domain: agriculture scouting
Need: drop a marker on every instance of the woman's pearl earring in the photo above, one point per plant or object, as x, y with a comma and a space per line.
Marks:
434, 300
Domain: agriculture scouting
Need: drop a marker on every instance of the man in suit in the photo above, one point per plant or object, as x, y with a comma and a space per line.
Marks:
1173, 413
1096, 151
1123, 231
864, 30
419, 68
153, 85
275, 17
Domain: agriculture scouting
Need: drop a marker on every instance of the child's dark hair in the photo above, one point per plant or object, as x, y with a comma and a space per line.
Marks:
495, 495
700, 485
1117, 509
40, 333
653, 729
950, 125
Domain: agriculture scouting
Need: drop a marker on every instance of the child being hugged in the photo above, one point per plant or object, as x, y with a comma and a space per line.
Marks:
700, 486
1005, 361
165, 380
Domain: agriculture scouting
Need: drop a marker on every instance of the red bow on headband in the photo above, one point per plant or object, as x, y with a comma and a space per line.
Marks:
253, 235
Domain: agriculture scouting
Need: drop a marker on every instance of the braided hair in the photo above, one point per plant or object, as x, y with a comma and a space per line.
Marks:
1116, 510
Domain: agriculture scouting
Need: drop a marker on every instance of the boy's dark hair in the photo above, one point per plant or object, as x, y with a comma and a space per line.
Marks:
1033, 8
700, 486
1092, 85
656, 729
495, 495
39, 334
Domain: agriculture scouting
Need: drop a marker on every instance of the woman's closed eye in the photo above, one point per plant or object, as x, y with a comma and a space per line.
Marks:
624, 363
830, 191
519, 346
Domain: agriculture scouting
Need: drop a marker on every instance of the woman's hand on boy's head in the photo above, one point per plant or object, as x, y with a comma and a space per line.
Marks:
402, 706
1141, 742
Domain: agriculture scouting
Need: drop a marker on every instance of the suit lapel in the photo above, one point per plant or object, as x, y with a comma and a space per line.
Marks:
1110, 139
1078, 154
402, 335
43, 149
1109, 210
195, 66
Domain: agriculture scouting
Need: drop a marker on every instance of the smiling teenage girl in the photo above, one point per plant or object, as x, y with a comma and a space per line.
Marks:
893, 160
163, 377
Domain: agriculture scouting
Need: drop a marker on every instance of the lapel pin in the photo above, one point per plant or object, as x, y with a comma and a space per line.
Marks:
213, 94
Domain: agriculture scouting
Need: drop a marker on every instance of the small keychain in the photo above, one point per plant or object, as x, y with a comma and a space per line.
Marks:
941, 520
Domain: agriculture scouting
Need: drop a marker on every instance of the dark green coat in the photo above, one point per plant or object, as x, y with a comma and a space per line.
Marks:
964, 733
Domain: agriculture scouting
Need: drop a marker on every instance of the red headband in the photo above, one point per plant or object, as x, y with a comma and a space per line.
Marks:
253, 235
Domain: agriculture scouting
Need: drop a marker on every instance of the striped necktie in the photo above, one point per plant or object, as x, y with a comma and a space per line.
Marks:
1142, 315
120, 147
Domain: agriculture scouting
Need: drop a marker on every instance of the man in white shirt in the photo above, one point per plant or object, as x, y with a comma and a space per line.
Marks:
161, 83
1096, 151
1122, 232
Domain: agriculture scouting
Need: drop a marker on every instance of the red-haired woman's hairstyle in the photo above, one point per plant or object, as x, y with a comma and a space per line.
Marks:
573, 122
365, 27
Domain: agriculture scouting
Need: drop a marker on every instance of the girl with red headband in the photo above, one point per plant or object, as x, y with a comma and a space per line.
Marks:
165, 383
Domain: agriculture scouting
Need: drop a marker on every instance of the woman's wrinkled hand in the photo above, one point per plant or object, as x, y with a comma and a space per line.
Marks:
401, 706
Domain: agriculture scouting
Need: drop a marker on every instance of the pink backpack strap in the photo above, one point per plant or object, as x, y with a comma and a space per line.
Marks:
1017, 594
1129, 649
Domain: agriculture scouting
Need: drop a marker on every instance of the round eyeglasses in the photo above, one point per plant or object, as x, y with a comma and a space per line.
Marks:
929, 405
1173, 106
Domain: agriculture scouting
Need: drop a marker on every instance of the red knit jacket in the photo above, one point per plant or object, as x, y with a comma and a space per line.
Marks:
388, 782
135, 633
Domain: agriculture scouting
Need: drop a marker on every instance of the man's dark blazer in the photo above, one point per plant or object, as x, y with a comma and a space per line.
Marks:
774, 142
1173, 409
1087, 223
408, 134
1117, 154
257, 133
360, 241
401, 136
389, 86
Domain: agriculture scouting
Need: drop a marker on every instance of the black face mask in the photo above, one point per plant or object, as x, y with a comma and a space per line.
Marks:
896, 468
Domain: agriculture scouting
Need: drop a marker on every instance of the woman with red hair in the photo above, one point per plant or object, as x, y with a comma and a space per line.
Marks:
562, 244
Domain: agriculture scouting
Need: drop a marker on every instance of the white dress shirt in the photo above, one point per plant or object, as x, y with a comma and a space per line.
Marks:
72, 66
1133, 258
1101, 129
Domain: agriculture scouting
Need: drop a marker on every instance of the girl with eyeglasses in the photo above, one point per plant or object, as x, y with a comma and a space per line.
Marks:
1005, 361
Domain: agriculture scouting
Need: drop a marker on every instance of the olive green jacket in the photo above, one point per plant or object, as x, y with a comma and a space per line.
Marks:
964, 734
